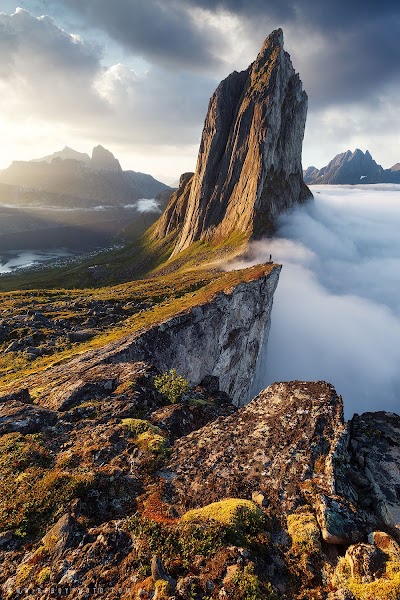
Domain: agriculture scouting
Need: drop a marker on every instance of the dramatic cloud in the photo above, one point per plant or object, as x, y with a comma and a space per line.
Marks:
143, 86
336, 312
45, 69
52, 83
163, 32
343, 50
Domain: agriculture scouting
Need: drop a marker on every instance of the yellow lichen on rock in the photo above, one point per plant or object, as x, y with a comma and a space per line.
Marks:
386, 587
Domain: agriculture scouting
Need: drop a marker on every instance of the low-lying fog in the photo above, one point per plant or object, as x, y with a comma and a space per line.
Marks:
336, 312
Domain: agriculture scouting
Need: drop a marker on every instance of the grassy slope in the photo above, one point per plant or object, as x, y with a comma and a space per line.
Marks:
170, 287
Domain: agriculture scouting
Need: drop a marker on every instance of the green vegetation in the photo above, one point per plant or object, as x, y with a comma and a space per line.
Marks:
386, 587
139, 426
304, 531
149, 438
145, 257
171, 385
247, 586
235, 513
174, 542
33, 491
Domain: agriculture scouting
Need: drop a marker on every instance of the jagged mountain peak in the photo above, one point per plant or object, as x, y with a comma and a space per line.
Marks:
249, 163
347, 168
67, 153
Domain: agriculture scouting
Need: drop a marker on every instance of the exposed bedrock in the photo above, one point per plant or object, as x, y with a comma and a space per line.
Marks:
249, 164
221, 337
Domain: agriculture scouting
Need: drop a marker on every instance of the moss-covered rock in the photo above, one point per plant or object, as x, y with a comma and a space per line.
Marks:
233, 512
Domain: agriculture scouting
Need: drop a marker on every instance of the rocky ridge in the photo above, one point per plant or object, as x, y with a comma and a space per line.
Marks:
249, 164
120, 475
72, 179
220, 337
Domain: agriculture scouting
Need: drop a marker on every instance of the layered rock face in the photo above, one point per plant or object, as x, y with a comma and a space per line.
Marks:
249, 164
220, 338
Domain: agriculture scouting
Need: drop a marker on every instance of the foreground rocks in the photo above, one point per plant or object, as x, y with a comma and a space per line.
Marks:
96, 495
272, 445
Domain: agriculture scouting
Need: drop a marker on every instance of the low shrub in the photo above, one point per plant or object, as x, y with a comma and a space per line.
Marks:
171, 385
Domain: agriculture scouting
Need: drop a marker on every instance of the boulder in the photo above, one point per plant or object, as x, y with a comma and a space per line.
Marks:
366, 562
384, 542
340, 522
16, 416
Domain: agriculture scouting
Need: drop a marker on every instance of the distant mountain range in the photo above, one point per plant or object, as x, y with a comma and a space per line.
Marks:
73, 179
72, 200
352, 168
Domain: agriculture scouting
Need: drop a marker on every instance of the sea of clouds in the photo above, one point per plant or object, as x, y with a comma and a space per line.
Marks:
336, 314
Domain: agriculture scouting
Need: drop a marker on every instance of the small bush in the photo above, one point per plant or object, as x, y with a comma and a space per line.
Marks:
180, 542
304, 531
248, 586
171, 385
148, 438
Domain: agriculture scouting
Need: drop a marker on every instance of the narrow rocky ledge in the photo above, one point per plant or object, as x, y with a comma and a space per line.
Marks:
219, 337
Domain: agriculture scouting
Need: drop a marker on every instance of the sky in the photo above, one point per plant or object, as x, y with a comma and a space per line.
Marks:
136, 76
336, 312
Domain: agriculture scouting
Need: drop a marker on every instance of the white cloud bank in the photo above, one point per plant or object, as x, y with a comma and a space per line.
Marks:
336, 312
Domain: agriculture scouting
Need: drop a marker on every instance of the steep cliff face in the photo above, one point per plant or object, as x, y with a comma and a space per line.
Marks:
249, 164
219, 337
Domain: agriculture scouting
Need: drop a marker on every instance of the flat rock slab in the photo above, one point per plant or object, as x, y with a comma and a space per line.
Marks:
270, 446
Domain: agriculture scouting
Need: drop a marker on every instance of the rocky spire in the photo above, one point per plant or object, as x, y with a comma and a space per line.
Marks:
249, 163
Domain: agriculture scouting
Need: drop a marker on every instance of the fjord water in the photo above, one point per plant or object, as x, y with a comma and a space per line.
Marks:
336, 314
31, 235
